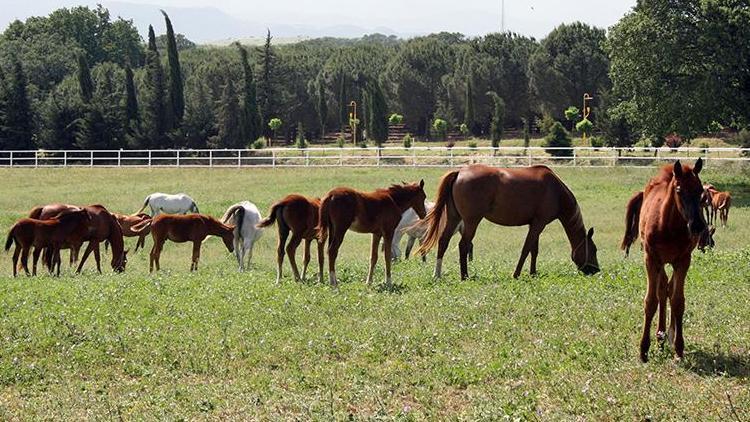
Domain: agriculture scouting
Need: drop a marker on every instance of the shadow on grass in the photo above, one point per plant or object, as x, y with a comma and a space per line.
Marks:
710, 364
396, 288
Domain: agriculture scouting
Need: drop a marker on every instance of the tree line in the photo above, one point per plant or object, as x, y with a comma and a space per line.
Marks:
79, 79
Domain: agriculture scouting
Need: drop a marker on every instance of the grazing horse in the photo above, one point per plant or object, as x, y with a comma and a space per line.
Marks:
632, 219
532, 196
164, 203
47, 234
244, 216
720, 203
128, 221
299, 215
670, 225
377, 212
184, 228
45, 212
102, 226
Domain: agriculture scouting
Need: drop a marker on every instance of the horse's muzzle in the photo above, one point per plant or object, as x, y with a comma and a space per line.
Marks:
697, 227
589, 269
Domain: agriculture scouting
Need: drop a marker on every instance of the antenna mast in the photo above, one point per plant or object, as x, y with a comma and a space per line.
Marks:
502, 15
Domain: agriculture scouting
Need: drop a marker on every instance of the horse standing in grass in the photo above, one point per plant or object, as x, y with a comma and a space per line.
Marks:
164, 203
184, 228
299, 215
243, 216
377, 212
532, 196
47, 235
128, 221
670, 225
102, 226
720, 204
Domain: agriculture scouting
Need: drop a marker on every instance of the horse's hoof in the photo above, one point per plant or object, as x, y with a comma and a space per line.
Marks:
644, 357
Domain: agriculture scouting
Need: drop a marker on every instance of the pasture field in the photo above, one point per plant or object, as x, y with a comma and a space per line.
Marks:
219, 344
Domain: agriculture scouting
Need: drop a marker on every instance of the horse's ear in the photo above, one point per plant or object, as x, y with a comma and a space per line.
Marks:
677, 169
698, 165
421, 184
591, 233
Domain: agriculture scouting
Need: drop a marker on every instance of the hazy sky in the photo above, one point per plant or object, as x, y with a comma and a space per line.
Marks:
471, 17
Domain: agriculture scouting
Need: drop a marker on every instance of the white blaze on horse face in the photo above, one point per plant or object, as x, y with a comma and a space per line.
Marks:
438, 268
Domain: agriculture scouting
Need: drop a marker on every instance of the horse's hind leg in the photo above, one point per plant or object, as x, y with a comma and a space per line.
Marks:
336, 236
98, 258
25, 259
196, 255
467, 235
321, 260
306, 258
283, 235
531, 245
291, 250
16, 253
409, 245
451, 223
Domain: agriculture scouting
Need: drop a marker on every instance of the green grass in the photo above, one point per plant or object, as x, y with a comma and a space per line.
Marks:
218, 344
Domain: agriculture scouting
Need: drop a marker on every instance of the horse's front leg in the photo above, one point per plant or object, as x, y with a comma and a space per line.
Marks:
677, 301
661, 295
37, 252
374, 255
650, 302
321, 260
97, 257
532, 240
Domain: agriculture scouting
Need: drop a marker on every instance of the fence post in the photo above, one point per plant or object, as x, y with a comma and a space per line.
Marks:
91, 158
178, 158
528, 156
65, 158
239, 158
119, 158
414, 158
273, 158
341, 157
36, 159
307, 158
575, 162
451, 156
211, 158
11, 158
149, 158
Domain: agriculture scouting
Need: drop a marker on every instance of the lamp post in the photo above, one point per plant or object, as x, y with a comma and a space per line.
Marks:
586, 111
353, 121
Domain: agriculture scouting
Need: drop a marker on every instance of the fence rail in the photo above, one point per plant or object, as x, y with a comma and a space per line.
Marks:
370, 157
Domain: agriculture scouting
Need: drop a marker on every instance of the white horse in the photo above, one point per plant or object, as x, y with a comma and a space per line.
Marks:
411, 226
164, 203
244, 216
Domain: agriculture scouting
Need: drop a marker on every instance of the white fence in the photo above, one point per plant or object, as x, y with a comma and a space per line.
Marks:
370, 157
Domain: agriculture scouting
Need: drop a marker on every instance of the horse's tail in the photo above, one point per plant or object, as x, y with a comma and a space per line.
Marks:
9, 240
726, 202
273, 214
142, 226
435, 216
230, 212
632, 216
36, 212
240, 218
145, 204
324, 219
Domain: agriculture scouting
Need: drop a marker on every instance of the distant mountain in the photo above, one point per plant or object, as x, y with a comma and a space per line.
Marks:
209, 25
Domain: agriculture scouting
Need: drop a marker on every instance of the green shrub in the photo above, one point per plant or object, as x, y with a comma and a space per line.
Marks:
300, 142
571, 113
340, 141
743, 140
585, 126
526, 134
472, 145
408, 141
395, 119
597, 142
362, 144
259, 143
440, 127
558, 137
545, 124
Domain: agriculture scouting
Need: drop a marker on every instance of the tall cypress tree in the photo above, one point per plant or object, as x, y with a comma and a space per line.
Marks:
227, 125
343, 104
154, 112
250, 117
377, 113
85, 83
176, 89
322, 108
266, 88
469, 119
131, 101
17, 122
498, 119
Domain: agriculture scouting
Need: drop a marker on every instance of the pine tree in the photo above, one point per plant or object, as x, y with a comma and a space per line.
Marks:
469, 119
153, 132
131, 101
17, 122
250, 121
85, 83
199, 117
377, 111
228, 125
266, 87
176, 90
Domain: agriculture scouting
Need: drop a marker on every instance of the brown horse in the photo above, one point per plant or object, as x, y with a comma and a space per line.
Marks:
44, 235
299, 215
103, 226
377, 212
670, 224
127, 221
184, 228
720, 204
532, 196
